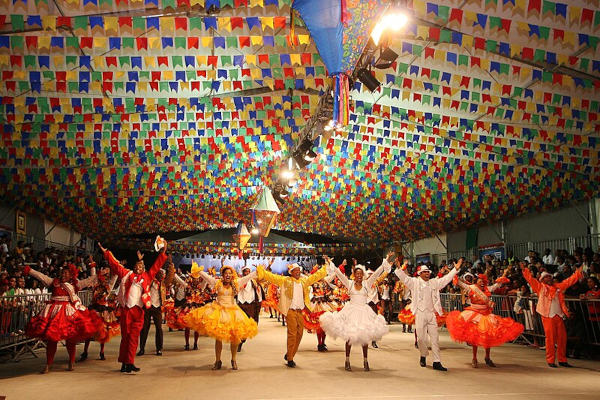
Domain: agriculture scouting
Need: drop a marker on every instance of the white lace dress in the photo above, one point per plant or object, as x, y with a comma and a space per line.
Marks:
356, 323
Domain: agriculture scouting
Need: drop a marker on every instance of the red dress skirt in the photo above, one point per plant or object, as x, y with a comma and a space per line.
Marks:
60, 320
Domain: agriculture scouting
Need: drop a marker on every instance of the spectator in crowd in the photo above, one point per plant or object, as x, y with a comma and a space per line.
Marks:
548, 259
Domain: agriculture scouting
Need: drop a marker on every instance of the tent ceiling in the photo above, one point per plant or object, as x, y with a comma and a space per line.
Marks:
134, 121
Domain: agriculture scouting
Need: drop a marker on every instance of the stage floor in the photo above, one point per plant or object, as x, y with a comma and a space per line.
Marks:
521, 374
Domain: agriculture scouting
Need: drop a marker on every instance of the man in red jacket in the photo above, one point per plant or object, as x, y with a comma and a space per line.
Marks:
552, 308
134, 297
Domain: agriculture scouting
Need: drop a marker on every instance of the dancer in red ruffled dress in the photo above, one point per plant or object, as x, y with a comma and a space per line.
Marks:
322, 301
104, 303
64, 317
477, 325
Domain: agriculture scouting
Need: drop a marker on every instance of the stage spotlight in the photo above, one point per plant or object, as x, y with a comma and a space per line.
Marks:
292, 182
364, 75
254, 230
310, 155
280, 193
386, 59
301, 161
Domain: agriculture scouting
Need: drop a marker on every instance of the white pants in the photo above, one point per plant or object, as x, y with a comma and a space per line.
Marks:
426, 325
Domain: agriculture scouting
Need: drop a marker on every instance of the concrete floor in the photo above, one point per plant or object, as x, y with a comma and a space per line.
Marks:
521, 374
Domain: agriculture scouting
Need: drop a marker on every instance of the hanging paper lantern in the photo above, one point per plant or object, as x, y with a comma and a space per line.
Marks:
264, 213
242, 236
340, 30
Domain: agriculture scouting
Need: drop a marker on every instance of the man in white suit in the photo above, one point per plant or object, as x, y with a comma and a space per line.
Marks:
425, 304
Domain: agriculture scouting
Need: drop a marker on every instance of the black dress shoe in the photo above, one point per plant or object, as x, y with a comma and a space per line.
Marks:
123, 367
83, 356
565, 364
285, 356
102, 356
325, 347
187, 347
439, 367
195, 346
140, 353
133, 368
159, 352
291, 364
552, 365
374, 345
422, 361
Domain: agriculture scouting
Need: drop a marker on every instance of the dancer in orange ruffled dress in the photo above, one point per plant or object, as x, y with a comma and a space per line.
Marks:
189, 295
104, 303
477, 325
223, 319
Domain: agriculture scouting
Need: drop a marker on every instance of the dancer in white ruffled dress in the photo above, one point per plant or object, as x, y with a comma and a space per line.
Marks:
356, 323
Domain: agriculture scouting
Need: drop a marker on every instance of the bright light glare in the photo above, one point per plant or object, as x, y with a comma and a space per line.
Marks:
287, 174
254, 231
393, 22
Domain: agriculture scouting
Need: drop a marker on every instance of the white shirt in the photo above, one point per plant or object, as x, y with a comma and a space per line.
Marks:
155, 294
247, 294
297, 298
425, 300
135, 295
4, 248
555, 307
548, 259
385, 293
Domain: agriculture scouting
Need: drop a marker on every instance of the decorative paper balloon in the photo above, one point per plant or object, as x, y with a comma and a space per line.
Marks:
340, 30
242, 236
264, 213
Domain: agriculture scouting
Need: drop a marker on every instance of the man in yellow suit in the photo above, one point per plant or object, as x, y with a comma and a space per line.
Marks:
294, 297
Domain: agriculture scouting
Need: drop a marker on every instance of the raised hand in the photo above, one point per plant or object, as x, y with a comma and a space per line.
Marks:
459, 263
101, 248
389, 256
139, 255
344, 262
522, 265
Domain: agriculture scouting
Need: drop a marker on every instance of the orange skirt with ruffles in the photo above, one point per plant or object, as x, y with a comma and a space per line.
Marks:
480, 329
224, 323
406, 316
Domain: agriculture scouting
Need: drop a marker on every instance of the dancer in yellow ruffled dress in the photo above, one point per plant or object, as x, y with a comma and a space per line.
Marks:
223, 319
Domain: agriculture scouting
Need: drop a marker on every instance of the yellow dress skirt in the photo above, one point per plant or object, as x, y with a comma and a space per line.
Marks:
222, 319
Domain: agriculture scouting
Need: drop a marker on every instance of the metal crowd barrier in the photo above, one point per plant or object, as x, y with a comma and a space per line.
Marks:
15, 313
583, 325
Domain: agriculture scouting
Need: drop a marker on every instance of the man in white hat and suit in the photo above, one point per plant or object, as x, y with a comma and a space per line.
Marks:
294, 298
425, 304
